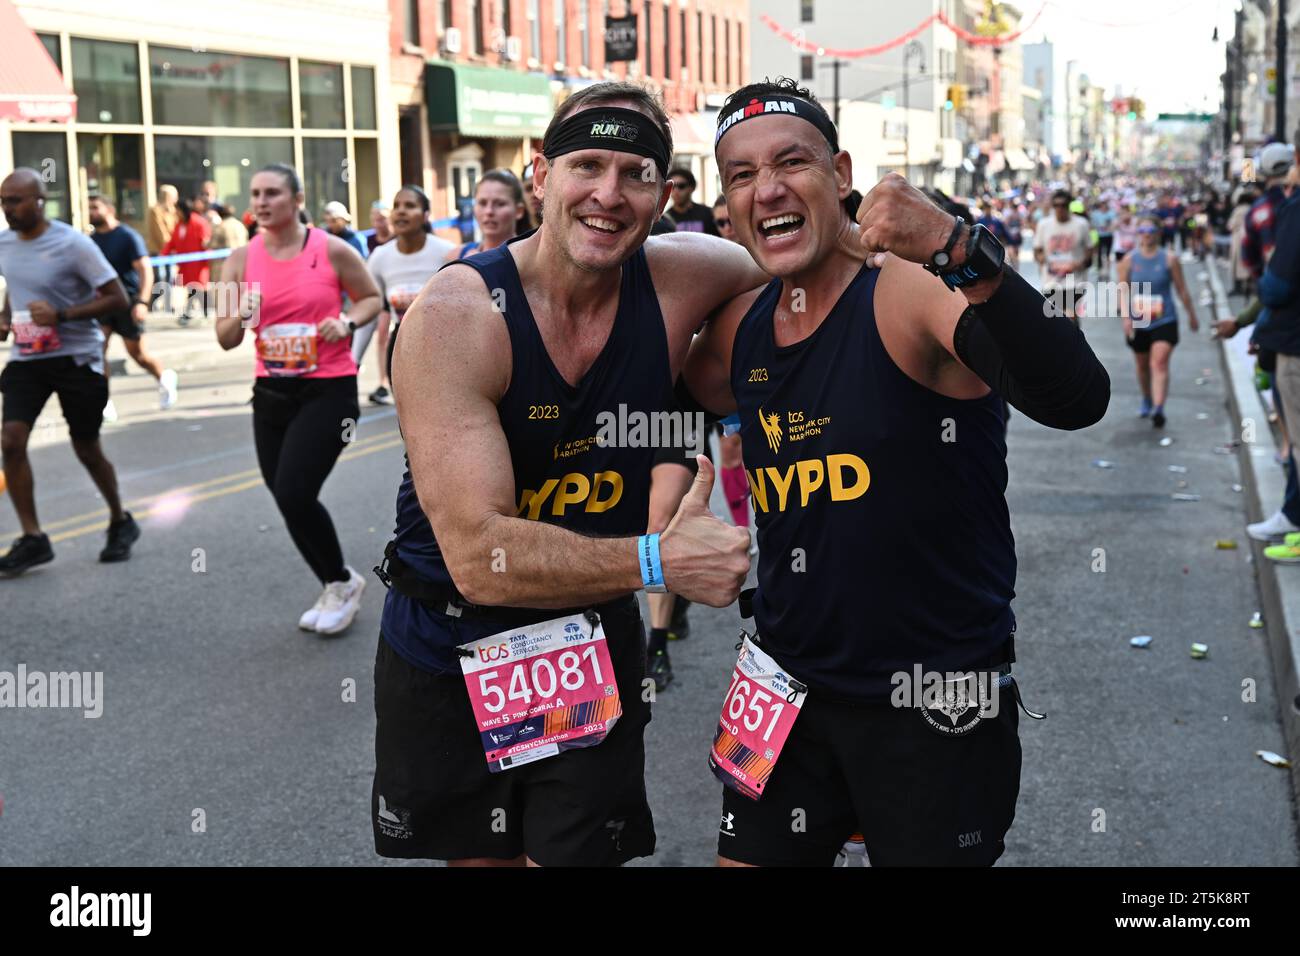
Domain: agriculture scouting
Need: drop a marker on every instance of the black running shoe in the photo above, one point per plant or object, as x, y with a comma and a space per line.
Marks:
660, 670
1158, 420
679, 629
381, 396
27, 552
121, 535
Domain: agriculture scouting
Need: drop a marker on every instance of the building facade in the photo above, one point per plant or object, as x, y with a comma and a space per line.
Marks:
906, 85
292, 81
475, 82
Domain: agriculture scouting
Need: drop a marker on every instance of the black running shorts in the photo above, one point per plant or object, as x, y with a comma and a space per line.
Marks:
1142, 338
584, 807
919, 797
82, 392
124, 324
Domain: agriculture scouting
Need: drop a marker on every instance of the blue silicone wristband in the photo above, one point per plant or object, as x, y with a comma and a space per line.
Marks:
652, 570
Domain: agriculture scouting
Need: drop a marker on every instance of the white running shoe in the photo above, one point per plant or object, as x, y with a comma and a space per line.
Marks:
342, 600
168, 388
1273, 528
110, 411
310, 616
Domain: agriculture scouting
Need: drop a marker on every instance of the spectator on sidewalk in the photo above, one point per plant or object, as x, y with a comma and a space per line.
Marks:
690, 216
229, 233
382, 229
160, 223
192, 235
1278, 331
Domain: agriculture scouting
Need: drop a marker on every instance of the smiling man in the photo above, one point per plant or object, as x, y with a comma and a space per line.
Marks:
518, 530
877, 464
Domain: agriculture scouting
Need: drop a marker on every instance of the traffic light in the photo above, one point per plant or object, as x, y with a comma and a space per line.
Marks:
956, 97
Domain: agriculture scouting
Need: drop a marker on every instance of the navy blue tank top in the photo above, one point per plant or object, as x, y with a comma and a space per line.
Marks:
562, 475
884, 537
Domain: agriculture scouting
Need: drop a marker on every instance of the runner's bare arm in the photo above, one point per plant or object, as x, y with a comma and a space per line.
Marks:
451, 367
6, 321
356, 280
1180, 284
708, 363
144, 272
694, 275
230, 323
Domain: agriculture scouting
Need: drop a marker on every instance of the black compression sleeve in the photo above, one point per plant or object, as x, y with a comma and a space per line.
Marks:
686, 401
1033, 356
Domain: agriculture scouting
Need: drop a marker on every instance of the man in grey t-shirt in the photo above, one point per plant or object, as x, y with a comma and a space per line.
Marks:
57, 284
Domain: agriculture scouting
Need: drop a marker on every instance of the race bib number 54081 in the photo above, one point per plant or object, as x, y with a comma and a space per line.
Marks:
541, 689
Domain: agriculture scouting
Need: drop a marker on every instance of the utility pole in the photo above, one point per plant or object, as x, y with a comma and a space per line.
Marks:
913, 49
1283, 79
835, 66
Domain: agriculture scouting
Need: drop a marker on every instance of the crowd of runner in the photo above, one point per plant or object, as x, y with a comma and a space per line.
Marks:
824, 343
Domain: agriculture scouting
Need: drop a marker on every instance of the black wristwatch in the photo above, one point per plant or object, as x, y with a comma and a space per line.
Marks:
142, 302
942, 259
352, 327
984, 259
60, 317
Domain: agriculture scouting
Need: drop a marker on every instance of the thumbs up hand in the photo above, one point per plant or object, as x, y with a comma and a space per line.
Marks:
704, 559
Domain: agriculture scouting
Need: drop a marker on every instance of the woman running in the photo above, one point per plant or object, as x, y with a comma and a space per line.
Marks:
400, 269
498, 209
1148, 275
306, 387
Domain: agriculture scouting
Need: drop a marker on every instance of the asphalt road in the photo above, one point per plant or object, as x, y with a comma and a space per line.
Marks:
215, 702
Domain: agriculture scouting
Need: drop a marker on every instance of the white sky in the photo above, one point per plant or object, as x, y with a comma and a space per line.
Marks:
1164, 53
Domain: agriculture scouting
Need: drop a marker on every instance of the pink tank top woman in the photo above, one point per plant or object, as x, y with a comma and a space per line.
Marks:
296, 295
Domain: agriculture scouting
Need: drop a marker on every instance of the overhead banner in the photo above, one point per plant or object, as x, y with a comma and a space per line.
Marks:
620, 39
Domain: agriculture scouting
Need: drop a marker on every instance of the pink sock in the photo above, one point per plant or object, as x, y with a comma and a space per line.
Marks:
736, 487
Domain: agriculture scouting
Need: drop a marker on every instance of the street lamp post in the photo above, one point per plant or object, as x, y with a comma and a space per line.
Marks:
913, 49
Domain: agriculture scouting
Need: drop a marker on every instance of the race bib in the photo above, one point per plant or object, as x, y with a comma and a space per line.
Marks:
1148, 307
541, 689
400, 297
288, 348
33, 339
758, 713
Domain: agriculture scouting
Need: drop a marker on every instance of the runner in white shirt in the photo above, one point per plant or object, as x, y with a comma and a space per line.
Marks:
1063, 251
400, 268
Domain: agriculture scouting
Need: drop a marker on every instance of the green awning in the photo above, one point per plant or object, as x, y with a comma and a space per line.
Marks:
482, 101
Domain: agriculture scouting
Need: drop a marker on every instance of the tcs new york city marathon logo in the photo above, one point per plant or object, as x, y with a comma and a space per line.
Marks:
844, 477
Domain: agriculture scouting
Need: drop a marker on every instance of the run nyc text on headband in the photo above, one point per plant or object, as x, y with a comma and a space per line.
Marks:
778, 104
610, 127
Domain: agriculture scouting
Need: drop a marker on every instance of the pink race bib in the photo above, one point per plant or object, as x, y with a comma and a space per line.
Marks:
541, 689
758, 713
33, 339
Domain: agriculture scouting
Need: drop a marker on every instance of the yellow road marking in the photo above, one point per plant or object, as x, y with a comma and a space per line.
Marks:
98, 518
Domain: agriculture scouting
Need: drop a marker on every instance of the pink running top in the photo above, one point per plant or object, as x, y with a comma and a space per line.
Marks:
296, 295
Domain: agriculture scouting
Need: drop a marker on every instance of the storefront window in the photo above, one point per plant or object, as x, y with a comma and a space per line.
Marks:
363, 97
218, 89
47, 153
51, 43
106, 79
229, 161
325, 174
321, 87
111, 162
366, 173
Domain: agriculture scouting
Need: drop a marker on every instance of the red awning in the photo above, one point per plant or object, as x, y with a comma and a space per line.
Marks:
31, 88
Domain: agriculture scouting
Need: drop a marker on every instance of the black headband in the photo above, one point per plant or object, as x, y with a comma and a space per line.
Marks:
779, 104
610, 127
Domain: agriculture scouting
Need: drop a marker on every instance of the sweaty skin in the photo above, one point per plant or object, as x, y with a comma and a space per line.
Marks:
452, 364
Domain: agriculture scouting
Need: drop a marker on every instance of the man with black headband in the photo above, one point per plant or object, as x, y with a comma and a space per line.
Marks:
510, 686
871, 409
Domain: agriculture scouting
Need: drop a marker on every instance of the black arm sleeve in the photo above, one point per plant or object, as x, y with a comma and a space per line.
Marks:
1033, 357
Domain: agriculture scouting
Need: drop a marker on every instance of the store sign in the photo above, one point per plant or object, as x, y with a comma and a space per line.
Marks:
620, 39
480, 101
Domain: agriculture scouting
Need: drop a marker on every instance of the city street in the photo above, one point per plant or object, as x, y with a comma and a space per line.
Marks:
218, 709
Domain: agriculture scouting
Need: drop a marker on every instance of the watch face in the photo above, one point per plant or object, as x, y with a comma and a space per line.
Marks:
941, 259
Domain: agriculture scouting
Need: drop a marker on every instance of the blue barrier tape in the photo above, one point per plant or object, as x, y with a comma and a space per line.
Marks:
189, 257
